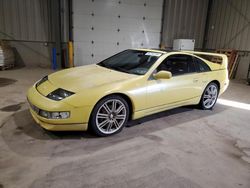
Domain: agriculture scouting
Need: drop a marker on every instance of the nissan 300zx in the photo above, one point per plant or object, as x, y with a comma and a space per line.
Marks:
129, 85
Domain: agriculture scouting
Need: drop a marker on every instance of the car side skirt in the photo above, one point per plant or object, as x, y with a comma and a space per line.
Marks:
150, 111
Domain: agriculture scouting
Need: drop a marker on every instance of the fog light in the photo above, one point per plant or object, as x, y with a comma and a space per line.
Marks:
59, 115
54, 115
44, 114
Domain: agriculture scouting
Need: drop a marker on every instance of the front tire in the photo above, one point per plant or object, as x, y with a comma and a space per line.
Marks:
109, 116
209, 96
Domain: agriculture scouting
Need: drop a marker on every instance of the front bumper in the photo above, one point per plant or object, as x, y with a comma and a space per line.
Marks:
78, 119
57, 127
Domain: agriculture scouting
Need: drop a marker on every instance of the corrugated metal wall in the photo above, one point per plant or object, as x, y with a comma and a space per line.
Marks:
184, 19
28, 20
30, 29
229, 28
229, 25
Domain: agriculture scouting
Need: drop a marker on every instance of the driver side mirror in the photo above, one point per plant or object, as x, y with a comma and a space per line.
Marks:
162, 75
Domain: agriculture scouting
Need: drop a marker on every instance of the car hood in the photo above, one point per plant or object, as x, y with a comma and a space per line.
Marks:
86, 77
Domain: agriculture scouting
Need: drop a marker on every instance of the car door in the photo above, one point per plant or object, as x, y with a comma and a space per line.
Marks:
184, 85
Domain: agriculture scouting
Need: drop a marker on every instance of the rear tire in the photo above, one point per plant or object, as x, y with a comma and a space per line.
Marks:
109, 116
209, 96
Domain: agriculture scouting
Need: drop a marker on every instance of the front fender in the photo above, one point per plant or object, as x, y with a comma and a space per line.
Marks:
135, 91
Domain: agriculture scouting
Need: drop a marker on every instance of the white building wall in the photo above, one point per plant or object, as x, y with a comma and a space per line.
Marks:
102, 28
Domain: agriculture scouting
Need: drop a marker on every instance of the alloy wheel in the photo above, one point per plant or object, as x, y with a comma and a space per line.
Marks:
210, 96
111, 116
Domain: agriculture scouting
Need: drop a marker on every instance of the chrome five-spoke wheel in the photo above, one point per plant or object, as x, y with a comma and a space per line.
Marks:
209, 96
110, 115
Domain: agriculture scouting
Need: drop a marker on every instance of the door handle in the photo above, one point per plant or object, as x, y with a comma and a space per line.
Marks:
195, 80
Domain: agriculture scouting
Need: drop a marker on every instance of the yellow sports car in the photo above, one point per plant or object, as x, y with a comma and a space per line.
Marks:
129, 85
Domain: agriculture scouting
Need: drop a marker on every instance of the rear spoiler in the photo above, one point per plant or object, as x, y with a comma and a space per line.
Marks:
212, 57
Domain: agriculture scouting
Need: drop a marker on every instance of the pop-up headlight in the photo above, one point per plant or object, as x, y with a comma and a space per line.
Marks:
44, 79
59, 94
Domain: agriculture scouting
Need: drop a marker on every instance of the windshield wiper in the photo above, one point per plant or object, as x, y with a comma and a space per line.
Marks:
120, 69
103, 65
114, 68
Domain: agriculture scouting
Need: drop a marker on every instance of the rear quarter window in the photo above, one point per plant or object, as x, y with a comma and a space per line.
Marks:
201, 65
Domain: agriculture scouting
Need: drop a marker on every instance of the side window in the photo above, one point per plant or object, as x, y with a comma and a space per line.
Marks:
201, 66
177, 64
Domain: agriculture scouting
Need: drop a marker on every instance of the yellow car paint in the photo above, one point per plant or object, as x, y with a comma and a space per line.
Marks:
147, 95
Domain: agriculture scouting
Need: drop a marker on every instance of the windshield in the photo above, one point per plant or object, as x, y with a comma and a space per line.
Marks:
131, 61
